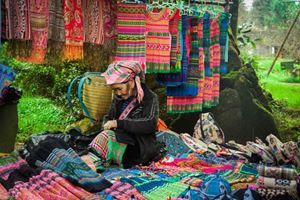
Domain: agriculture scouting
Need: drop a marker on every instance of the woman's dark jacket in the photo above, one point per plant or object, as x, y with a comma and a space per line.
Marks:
138, 129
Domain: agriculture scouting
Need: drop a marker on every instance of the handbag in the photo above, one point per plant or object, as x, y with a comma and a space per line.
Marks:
93, 94
208, 130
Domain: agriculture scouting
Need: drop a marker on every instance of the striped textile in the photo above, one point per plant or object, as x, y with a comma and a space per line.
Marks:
191, 104
120, 190
56, 28
154, 189
48, 185
190, 88
215, 59
158, 42
19, 16
56, 155
175, 79
7, 169
131, 32
105, 145
208, 84
224, 40
73, 29
93, 21
39, 20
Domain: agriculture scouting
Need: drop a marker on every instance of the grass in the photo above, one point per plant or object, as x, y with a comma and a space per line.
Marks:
285, 90
37, 115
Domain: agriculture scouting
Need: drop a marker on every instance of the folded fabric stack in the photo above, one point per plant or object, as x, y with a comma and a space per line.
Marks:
274, 181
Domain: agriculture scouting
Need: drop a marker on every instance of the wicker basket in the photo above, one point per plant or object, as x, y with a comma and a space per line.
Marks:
97, 96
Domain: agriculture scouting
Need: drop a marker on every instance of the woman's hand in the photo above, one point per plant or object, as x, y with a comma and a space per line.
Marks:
110, 124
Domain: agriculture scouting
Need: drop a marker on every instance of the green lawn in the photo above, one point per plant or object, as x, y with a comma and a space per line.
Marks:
37, 115
279, 83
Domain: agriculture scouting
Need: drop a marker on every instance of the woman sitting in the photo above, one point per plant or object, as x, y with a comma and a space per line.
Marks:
129, 127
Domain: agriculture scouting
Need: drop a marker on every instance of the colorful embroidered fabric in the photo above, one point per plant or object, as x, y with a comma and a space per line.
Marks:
131, 32
105, 145
73, 29
191, 104
56, 28
121, 190
56, 155
39, 20
109, 19
190, 88
224, 40
215, 59
3, 193
277, 172
175, 79
158, 42
277, 183
93, 21
19, 15
7, 169
48, 185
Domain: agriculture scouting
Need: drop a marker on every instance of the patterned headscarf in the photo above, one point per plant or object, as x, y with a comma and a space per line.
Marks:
123, 71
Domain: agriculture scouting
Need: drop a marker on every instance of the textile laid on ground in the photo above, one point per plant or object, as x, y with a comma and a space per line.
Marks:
39, 20
56, 28
93, 21
158, 41
73, 29
131, 32
56, 155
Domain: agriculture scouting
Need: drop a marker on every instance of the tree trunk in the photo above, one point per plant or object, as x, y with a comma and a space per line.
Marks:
234, 10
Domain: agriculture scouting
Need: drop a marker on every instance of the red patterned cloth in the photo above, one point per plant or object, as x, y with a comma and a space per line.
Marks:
39, 19
73, 29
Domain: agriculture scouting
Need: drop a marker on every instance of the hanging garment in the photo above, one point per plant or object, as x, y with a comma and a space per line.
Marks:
224, 41
158, 42
109, 20
215, 59
93, 21
131, 32
191, 104
73, 29
20, 25
39, 19
5, 20
56, 28
190, 88
175, 79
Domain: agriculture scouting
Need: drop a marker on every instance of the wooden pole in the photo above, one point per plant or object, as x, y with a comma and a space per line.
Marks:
287, 35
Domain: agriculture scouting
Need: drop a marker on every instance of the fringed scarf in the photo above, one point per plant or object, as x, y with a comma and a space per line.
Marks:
190, 88
215, 59
172, 79
56, 21
73, 29
20, 25
131, 32
224, 24
39, 18
93, 11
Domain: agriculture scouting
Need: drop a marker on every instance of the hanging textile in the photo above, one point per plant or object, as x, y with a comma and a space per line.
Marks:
190, 88
39, 18
56, 30
20, 25
93, 21
208, 70
224, 41
191, 104
109, 20
158, 41
215, 59
73, 29
172, 79
6, 20
131, 32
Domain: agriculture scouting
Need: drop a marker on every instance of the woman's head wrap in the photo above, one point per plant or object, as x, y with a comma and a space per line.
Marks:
123, 71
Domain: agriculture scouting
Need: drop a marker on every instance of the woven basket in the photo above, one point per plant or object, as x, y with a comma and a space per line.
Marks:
97, 97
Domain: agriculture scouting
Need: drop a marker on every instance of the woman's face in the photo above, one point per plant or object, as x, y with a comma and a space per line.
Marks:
124, 90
